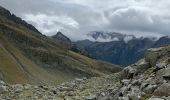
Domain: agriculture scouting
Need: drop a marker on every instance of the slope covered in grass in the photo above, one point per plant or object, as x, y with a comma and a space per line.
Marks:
28, 56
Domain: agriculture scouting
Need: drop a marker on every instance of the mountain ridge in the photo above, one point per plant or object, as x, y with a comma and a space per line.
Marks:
4, 12
101, 36
121, 52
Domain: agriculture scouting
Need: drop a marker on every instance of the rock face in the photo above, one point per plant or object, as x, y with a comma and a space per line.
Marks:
120, 49
143, 80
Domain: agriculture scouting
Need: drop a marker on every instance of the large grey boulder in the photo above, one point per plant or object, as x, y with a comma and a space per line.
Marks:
150, 89
166, 74
154, 98
3, 89
93, 97
153, 55
163, 90
18, 88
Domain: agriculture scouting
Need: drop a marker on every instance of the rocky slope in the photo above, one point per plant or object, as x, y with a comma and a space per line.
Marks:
27, 56
147, 79
120, 49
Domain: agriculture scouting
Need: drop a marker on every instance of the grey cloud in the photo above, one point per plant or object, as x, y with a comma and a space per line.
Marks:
77, 17
141, 20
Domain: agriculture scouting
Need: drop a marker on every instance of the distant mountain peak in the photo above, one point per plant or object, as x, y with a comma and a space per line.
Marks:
62, 39
102, 36
60, 36
109, 36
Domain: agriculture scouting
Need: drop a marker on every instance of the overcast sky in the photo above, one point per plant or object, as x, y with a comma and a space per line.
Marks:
75, 18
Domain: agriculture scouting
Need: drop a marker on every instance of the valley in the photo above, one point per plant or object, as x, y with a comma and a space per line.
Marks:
104, 66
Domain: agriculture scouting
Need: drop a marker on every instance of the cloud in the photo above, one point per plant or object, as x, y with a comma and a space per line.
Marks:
139, 19
75, 18
50, 24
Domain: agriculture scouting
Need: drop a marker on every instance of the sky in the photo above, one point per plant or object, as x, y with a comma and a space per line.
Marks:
76, 18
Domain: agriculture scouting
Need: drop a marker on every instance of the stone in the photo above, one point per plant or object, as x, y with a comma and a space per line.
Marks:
44, 87
71, 93
103, 94
125, 81
2, 82
133, 96
161, 65
131, 72
3, 89
123, 98
142, 66
143, 85
84, 78
155, 49
136, 82
150, 89
154, 98
78, 80
91, 97
18, 88
27, 86
163, 90
152, 56
76, 98
123, 90
166, 74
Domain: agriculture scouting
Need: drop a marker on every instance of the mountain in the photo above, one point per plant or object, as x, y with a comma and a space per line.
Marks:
101, 36
162, 41
27, 56
62, 39
16, 19
147, 79
118, 48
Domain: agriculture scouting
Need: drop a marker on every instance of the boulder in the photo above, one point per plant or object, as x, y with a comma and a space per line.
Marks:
91, 97
161, 65
131, 72
2, 82
136, 82
141, 66
18, 88
143, 85
150, 89
153, 55
154, 98
166, 74
3, 89
163, 90
135, 94
125, 81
